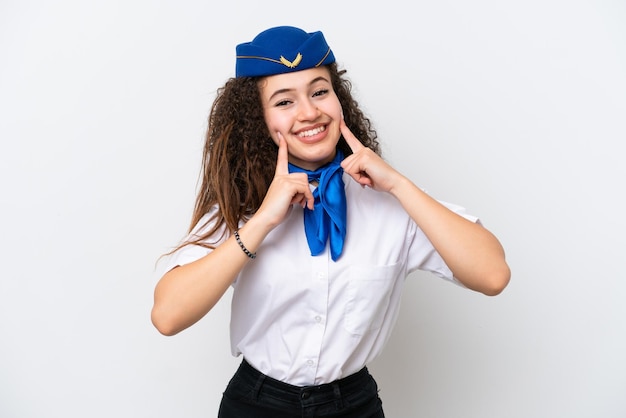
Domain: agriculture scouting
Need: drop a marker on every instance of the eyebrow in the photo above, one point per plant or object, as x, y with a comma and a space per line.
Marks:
280, 91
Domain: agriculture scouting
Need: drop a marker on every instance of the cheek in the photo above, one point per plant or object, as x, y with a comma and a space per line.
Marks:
275, 123
271, 128
338, 110
270, 120
273, 134
333, 108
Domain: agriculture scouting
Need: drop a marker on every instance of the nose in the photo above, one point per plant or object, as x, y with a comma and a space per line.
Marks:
308, 111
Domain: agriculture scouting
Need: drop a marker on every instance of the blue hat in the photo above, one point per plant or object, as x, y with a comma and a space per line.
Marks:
283, 49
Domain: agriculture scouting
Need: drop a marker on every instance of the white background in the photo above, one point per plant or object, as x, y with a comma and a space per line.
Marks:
515, 110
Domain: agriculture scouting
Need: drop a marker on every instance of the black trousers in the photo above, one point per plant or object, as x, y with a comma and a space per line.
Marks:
251, 394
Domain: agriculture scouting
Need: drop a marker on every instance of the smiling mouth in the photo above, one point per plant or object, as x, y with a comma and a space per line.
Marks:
312, 132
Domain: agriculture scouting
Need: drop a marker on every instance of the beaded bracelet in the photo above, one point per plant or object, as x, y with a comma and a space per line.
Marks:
243, 247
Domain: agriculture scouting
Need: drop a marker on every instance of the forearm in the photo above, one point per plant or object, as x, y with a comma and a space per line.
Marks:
186, 293
474, 254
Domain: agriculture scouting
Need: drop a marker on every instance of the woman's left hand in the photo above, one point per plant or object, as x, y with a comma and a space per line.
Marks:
474, 255
365, 166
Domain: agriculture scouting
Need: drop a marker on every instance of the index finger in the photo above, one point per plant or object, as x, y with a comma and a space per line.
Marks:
352, 141
282, 161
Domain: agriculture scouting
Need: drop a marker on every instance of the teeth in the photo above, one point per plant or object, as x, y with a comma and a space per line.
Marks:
312, 132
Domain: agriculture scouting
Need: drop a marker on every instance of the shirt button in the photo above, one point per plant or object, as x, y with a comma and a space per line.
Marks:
321, 275
310, 363
318, 319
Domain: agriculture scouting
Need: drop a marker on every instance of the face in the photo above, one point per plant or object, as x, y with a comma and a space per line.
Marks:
304, 108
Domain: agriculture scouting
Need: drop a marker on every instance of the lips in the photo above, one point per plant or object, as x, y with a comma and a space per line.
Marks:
312, 132
313, 135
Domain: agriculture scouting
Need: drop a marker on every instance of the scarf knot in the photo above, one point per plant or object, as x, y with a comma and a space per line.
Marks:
328, 219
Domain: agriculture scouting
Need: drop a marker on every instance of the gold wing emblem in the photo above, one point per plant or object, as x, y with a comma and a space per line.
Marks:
290, 64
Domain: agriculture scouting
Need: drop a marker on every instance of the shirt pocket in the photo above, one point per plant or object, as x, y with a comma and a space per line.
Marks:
367, 297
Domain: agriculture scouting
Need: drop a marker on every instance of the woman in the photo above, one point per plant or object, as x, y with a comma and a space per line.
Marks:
292, 173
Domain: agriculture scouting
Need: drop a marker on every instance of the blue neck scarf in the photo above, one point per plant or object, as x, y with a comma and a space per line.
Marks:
328, 219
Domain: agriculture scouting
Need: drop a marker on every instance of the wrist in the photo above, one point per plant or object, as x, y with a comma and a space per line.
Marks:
401, 186
251, 235
250, 254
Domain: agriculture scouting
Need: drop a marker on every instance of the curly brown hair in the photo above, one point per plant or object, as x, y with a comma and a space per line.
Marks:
239, 156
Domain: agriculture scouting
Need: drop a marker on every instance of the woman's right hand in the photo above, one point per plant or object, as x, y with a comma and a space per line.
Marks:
285, 190
186, 293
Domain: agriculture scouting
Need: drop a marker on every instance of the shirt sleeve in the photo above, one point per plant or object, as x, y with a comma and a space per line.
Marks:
423, 255
192, 252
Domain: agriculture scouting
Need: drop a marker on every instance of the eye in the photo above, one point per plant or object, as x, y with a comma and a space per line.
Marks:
282, 103
320, 92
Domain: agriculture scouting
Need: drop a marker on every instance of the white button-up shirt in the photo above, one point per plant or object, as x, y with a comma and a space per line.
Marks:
308, 320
